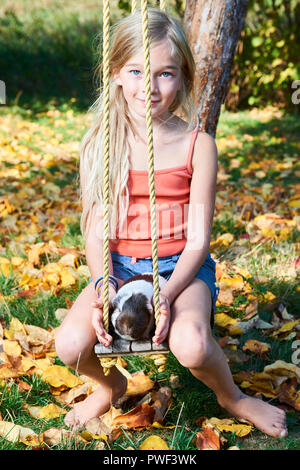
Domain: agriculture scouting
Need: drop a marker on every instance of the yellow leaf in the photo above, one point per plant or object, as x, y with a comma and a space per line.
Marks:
154, 443
12, 348
294, 203
15, 433
5, 266
283, 368
51, 411
14, 326
286, 327
139, 383
156, 424
41, 365
228, 425
67, 279
56, 376
7, 372
256, 346
88, 436
234, 283
26, 364
223, 320
34, 411
268, 296
235, 330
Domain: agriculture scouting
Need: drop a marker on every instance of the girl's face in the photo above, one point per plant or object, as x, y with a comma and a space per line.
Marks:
166, 79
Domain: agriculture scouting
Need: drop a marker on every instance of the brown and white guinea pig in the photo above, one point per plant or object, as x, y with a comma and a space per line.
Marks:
133, 313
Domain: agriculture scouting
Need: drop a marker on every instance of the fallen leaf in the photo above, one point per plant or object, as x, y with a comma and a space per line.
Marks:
208, 439
51, 411
97, 429
154, 443
255, 346
75, 394
139, 417
59, 376
12, 348
228, 425
282, 368
161, 401
16, 433
289, 394
138, 384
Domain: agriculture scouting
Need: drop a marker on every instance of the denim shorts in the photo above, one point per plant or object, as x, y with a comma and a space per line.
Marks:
126, 266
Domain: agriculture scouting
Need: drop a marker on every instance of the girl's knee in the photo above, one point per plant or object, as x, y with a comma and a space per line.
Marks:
71, 346
192, 346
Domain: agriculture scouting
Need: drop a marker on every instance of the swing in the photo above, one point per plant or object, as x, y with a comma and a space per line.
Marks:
109, 356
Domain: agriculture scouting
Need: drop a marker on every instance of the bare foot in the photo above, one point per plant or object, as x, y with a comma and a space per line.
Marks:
267, 418
94, 405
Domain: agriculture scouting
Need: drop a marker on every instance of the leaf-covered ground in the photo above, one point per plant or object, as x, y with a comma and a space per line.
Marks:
255, 242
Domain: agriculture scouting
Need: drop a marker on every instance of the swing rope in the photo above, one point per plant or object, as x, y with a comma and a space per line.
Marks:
159, 359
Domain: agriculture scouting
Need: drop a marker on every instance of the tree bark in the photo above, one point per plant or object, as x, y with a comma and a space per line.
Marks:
213, 28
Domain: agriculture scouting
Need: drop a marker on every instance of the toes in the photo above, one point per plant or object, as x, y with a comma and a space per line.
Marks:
281, 429
283, 433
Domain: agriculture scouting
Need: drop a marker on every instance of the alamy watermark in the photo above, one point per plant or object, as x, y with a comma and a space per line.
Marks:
2, 92
296, 354
296, 94
173, 221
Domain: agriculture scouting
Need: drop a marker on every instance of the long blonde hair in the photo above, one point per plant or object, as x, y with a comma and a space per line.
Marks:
126, 40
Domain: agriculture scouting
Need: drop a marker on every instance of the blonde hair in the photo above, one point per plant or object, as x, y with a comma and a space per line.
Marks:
126, 40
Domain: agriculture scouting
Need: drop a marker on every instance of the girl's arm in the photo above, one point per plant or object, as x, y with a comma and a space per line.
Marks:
200, 216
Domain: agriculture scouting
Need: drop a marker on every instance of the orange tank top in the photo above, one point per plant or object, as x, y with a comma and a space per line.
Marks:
172, 195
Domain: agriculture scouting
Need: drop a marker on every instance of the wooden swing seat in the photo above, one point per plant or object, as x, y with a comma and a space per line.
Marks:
122, 347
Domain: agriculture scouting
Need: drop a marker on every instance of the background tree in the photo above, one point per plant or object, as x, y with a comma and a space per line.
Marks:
213, 28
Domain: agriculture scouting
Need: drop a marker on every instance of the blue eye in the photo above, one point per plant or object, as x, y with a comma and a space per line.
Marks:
169, 74
134, 71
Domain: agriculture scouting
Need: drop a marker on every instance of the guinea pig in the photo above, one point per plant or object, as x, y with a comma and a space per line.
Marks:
133, 313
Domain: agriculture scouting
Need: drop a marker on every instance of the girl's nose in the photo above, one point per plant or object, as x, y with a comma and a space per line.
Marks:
153, 86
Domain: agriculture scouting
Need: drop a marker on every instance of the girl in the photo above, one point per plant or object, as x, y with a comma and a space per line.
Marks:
185, 178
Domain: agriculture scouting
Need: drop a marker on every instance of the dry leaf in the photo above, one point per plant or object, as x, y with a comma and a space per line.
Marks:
14, 327
97, 428
228, 425
109, 416
139, 417
161, 401
289, 394
208, 439
138, 384
75, 394
16, 433
55, 436
12, 348
59, 376
154, 443
255, 346
282, 368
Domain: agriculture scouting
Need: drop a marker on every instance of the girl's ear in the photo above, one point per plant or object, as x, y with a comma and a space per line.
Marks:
116, 78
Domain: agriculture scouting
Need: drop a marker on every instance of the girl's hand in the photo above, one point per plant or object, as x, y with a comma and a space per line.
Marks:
162, 328
97, 316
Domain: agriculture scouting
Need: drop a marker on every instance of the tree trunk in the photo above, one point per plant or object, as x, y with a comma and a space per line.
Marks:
213, 29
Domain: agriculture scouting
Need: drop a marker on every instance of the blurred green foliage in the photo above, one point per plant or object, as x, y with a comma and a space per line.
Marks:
267, 62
